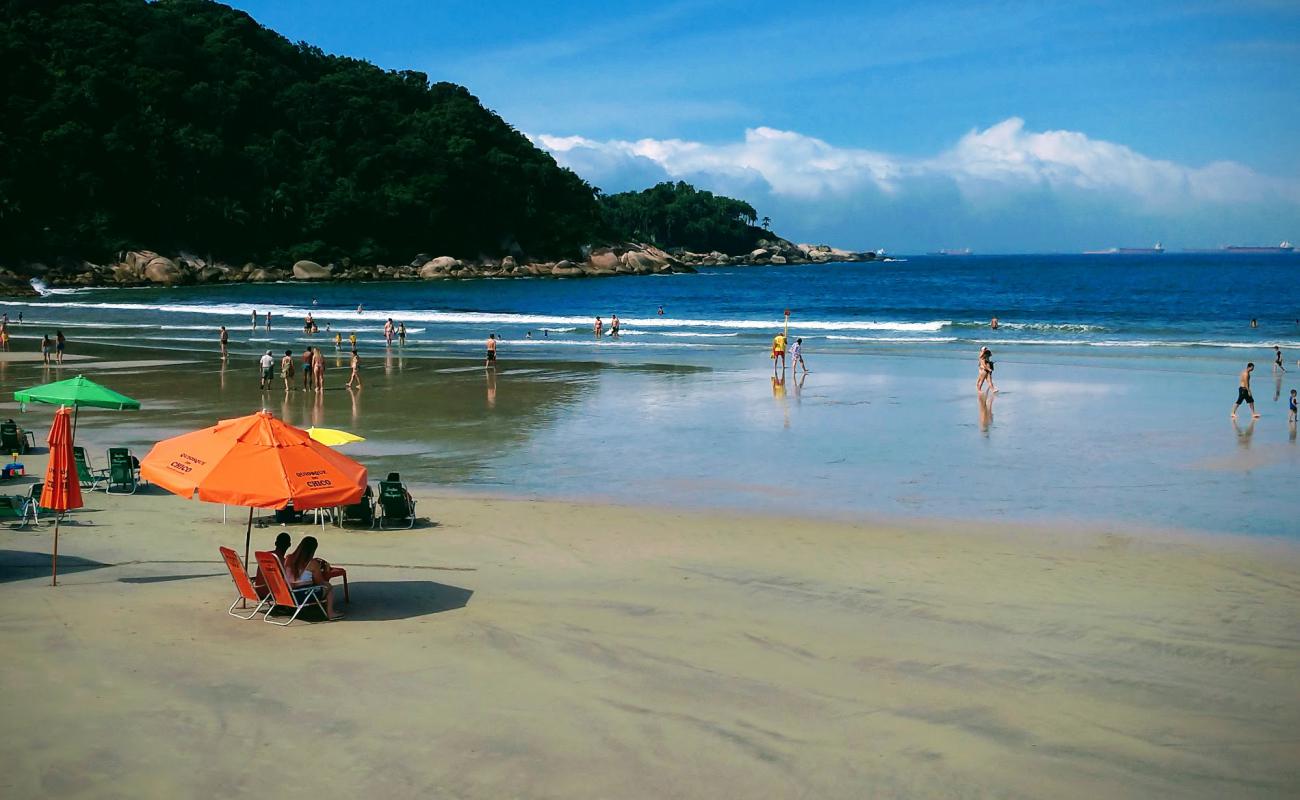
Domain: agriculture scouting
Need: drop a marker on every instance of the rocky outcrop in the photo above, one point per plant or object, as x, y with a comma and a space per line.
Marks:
440, 267
311, 271
163, 270
147, 268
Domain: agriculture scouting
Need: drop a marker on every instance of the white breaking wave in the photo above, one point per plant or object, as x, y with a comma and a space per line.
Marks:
486, 318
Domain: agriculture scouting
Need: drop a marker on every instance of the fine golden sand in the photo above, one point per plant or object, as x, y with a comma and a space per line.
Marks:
548, 650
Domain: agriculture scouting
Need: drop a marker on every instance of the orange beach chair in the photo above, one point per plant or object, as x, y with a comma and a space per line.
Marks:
242, 584
280, 593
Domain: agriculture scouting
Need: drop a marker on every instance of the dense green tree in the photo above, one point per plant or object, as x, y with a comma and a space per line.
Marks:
679, 215
185, 125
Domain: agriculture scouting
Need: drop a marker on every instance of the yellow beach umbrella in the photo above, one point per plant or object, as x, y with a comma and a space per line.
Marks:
333, 437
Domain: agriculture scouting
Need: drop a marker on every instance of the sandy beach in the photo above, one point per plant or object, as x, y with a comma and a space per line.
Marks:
540, 649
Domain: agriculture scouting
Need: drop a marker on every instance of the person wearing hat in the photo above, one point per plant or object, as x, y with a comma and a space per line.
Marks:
268, 364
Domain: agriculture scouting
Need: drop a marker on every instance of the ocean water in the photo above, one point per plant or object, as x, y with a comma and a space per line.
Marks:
1116, 377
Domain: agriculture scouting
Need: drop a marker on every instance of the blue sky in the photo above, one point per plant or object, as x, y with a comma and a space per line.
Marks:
997, 125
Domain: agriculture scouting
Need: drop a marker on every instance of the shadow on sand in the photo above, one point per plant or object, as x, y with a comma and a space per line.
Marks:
376, 601
18, 565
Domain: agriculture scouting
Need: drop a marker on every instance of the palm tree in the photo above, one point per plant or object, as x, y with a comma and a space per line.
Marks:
767, 223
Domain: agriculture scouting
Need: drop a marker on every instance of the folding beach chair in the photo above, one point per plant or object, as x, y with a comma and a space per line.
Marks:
281, 594
87, 476
123, 472
32, 507
395, 504
14, 439
242, 585
362, 511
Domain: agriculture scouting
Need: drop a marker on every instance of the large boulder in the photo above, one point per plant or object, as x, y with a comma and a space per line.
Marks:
163, 270
644, 261
778, 259
603, 259
311, 271
261, 275
439, 267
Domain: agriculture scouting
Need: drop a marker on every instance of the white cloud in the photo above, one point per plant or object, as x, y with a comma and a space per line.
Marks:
1086, 182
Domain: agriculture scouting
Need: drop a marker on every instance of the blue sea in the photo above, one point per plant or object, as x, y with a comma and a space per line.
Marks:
1116, 377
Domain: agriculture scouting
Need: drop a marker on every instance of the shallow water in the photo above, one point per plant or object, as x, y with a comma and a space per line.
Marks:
1117, 376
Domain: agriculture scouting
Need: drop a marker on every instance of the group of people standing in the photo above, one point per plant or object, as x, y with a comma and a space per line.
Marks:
51, 348
1244, 395
313, 360
796, 354
599, 327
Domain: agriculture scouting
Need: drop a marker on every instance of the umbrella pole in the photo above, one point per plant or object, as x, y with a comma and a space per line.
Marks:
54, 559
75, 409
248, 539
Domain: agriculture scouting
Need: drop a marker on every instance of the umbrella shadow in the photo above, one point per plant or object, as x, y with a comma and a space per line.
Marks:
18, 565
377, 601
169, 578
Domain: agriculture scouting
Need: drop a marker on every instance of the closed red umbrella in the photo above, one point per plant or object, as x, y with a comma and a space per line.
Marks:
62, 490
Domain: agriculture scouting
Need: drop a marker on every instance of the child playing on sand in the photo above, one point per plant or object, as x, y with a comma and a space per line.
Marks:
1292, 406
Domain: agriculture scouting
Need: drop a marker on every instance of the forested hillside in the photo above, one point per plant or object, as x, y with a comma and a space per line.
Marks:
183, 124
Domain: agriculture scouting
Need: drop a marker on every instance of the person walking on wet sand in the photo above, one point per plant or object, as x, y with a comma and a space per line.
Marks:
1291, 408
388, 332
796, 357
60, 344
225, 341
401, 334
1243, 392
986, 370
268, 320
267, 363
1277, 359
45, 349
491, 351
778, 352
286, 370
356, 375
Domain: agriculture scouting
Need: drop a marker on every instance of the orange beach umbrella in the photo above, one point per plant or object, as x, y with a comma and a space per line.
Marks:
256, 461
62, 489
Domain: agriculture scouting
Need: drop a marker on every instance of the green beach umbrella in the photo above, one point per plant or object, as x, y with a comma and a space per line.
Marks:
76, 392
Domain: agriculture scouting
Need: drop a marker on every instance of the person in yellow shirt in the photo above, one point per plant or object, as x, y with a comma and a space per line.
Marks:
778, 351
352, 340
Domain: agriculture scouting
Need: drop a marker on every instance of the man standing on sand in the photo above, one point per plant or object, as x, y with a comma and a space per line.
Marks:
307, 361
225, 340
1277, 359
266, 362
1243, 392
778, 352
491, 351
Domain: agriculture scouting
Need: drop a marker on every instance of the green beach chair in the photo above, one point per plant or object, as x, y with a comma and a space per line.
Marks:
362, 511
13, 506
14, 439
123, 472
89, 477
395, 505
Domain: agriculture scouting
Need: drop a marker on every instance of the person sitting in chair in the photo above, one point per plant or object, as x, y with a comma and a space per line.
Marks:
303, 568
282, 543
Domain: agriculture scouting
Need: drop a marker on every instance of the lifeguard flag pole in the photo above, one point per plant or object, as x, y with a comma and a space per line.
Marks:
786, 334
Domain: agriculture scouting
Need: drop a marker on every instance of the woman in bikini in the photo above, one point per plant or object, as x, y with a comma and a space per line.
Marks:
303, 568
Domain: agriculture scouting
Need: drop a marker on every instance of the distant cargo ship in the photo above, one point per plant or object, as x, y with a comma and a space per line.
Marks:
1284, 247
1127, 251
964, 251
